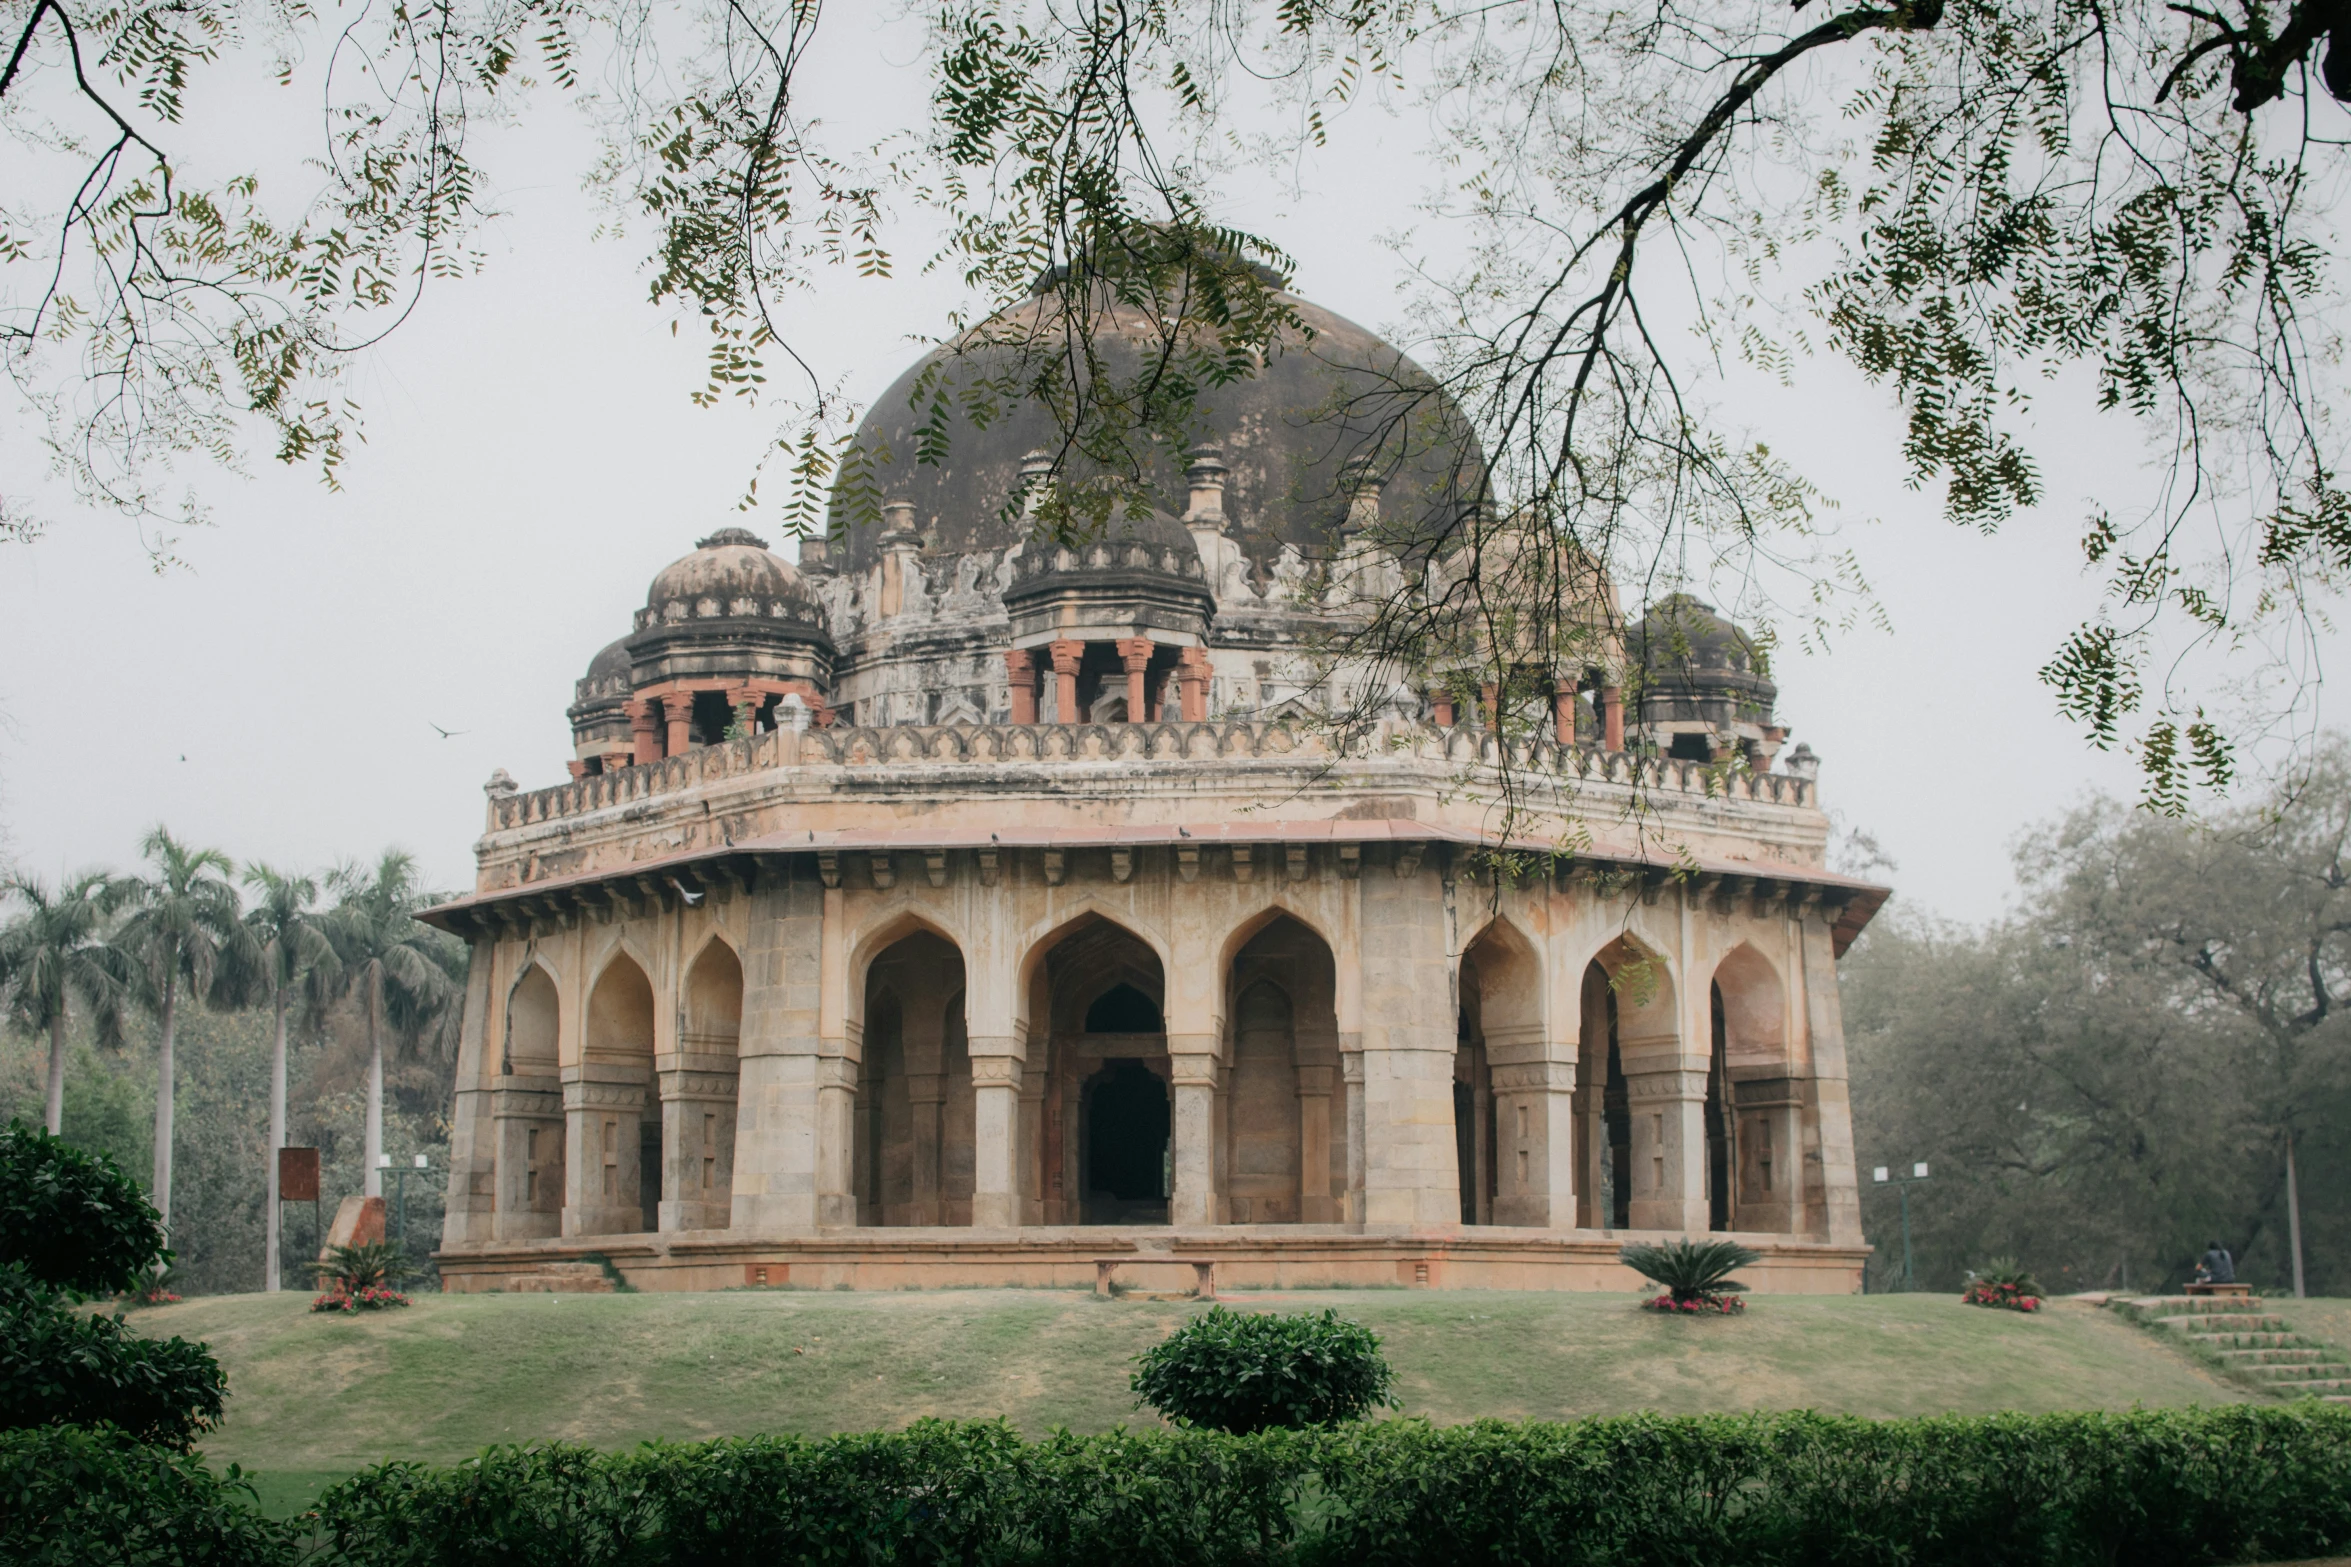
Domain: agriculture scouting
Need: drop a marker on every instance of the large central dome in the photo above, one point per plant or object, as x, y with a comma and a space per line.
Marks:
1288, 434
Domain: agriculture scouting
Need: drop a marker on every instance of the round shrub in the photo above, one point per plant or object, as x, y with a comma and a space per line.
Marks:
1244, 1372
70, 1220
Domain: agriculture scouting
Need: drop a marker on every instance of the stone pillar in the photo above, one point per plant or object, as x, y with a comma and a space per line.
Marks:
774, 1189
1351, 1079
745, 700
471, 1211
996, 1163
1065, 679
1768, 1190
1665, 1090
1611, 718
1832, 1113
1490, 704
836, 1135
1563, 712
1193, 1074
1441, 701
1135, 654
697, 1148
1534, 1128
1192, 683
677, 711
1412, 1172
1316, 1205
529, 1118
646, 739
602, 1108
1020, 671
926, 1099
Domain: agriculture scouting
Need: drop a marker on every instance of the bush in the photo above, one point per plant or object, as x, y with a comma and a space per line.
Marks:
100, 1499
71, 1225
2151, 1488
71, 1220
1696, 1274
2003, 1282
360, 1278
1239, 1372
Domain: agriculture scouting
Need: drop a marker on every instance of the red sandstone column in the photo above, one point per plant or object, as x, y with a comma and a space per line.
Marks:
745, 702
1192, 684
1441, 699
1135, 653
577, 767
1490, 703
1065, 679
641, 731
1612, 718
677, 709
1020, 665
1563, 711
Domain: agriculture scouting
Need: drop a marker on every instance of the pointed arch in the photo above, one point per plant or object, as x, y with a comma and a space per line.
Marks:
620, 1013
534, 1023
912, 1125
1501, 1022
713, 1021
1283, 1155
1752, 1107
1276, 908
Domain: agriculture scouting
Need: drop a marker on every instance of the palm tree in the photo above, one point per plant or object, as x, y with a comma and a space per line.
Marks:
288, 940
54, 954
407, 974
182, 919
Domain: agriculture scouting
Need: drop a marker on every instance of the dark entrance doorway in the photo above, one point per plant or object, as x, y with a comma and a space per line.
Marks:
649, 1167
1617, 1120
1126, 1145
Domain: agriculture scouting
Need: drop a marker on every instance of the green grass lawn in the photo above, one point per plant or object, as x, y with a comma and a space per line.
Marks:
312, 1398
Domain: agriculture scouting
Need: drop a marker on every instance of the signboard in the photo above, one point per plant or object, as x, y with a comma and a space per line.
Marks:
298, 1175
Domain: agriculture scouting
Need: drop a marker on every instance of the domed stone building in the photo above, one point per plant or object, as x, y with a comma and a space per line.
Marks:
958, 907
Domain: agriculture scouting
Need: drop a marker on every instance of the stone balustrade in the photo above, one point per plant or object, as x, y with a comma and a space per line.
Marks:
1219, 740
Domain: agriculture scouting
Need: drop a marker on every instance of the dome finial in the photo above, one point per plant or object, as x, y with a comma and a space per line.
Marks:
726, 536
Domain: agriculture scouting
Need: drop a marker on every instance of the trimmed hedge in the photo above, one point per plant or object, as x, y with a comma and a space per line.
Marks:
2151, 1488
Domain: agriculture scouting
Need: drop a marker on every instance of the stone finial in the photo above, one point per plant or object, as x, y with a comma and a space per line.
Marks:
1363, 483
1036, 472
1205, 473
897, 524
501, 785
1802, 763
791, 712
816, 553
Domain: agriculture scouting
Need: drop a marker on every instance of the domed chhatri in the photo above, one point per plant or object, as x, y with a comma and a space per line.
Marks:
957, 907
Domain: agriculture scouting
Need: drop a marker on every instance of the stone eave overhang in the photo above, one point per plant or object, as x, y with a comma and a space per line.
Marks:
692, 872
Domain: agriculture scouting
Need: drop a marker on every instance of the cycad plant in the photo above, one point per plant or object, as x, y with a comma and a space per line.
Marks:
53, 955
1696, 1274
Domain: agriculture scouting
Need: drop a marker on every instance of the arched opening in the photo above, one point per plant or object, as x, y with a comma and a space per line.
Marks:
1760, 1106
1472, 1104
698, 1097
1127, 1125
1096, 1004
530, 1135
1634, 1163
1282, 1157
911, 1156
615, 1142
1721, 1133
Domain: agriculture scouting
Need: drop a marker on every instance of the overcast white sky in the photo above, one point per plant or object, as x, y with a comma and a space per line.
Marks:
532, 459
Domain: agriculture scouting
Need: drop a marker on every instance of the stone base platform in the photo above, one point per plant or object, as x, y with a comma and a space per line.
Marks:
1145, 1259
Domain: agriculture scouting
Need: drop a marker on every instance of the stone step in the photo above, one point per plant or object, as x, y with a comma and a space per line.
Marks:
2241, 1324
2295, 1387
2310, 1355
2198, 1305
2303, 1368
2223, 1342
560, 1278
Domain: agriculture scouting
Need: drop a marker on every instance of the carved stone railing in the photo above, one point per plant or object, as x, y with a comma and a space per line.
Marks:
906, 745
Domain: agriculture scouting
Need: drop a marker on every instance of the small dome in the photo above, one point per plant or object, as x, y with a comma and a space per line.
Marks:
1680, 635
1151, 545
608, 673
732, 575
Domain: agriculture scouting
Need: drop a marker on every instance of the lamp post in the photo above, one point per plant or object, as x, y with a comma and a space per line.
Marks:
1903, 1183
400, 1190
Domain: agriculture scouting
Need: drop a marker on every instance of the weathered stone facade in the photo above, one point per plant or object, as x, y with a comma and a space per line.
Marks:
966, 912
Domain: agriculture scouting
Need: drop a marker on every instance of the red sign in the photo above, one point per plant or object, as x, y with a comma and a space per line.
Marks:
298, 1175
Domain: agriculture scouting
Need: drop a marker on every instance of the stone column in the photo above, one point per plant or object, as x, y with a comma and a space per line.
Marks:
1192, 1076
1768, 1189
1611, 718
1020, 670
1065, 679
1534, 1127
774, 1190
645, 737
602, 1106
697, 1148
1316, 1205
1192, 683
836, 1135
1563, 711
1135, 654
1665, 1090
746, 700
1351, 1078
1441, 702
529, 1116
926, 1101
996, 1164
1412, 1171
677, 711
1490, 704
471, 1211
1832, 1106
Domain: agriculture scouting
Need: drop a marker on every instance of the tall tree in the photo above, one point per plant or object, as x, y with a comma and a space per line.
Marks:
181, 918
293, 957
407, 975
53, 954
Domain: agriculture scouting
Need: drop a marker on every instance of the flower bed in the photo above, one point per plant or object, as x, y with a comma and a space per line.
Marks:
2010, 1297
1697, 1305
371, 1297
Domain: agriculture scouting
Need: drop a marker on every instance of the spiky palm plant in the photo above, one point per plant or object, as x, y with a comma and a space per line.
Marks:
1691, 1271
